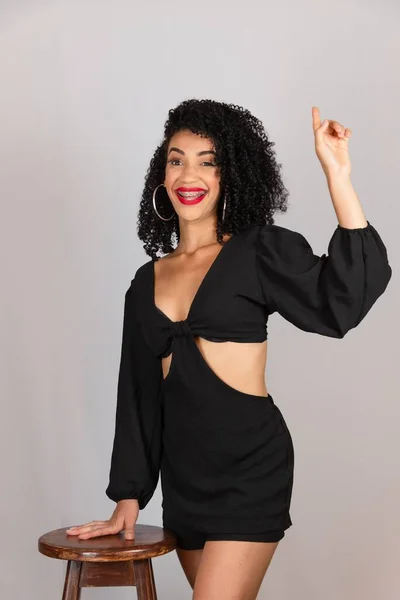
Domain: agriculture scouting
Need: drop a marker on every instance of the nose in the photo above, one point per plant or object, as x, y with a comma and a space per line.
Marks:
189, 174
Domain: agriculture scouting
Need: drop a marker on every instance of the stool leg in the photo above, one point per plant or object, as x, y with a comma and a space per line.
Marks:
144, 579
72, 590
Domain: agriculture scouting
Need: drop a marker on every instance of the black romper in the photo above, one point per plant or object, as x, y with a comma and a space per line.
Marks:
226, 457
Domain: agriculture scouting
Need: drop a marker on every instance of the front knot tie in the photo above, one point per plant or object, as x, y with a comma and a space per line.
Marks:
180, 328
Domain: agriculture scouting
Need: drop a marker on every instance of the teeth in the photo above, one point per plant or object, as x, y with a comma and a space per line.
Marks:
191, 194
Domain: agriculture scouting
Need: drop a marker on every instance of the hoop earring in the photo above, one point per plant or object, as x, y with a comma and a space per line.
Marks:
155, 207
223, 210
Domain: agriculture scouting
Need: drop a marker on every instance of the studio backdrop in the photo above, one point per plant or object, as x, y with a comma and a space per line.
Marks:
85, 88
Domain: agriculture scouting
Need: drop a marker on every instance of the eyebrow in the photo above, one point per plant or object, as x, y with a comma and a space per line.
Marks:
198, 153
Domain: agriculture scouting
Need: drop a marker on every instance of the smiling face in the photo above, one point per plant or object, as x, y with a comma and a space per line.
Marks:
192, 178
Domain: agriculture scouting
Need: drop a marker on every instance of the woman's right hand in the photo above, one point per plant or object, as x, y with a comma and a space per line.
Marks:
124, 517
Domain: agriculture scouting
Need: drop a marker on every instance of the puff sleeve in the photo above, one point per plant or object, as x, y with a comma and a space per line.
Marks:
137, 447
328, 294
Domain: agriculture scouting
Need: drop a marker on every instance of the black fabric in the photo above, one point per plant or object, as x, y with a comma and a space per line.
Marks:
192, 539
226, 458
136, 454
328, 294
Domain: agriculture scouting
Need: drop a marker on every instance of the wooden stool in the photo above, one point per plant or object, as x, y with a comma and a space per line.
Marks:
109, 560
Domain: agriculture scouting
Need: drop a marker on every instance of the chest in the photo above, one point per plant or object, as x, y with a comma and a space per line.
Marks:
219, 299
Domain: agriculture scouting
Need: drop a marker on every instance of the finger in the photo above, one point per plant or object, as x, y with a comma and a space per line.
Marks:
316, 118
86, 524
129, 531
338, 127
324, 128
108, 530
87, 527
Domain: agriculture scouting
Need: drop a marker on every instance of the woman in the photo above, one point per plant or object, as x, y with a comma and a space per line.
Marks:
192, 402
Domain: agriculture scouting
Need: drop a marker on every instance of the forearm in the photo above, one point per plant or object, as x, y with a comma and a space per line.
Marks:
347, 206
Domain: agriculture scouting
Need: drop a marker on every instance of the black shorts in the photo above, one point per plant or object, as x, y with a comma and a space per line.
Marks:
191, 539
227, 467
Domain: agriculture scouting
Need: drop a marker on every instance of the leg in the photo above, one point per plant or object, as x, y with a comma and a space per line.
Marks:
232, 570
189, 549
72, 590
144, 578
190, 562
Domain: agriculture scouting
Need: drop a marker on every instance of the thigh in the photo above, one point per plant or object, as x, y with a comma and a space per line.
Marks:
232, 570
190, 561
189, 549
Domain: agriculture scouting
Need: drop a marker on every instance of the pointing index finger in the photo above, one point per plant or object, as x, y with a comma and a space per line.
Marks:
316, 118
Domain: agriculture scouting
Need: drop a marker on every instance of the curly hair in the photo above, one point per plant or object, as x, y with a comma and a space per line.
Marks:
249, 174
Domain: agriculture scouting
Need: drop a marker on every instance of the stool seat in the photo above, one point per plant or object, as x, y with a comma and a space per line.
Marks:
150, 541
109, 560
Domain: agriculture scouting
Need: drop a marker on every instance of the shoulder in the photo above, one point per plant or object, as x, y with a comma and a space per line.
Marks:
258, 229
142, 271
138, 281
256, 237
272, 236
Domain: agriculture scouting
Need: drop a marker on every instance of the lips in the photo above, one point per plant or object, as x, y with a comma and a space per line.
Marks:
189, 196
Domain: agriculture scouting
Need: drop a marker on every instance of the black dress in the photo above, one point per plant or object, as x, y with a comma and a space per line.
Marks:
226, 457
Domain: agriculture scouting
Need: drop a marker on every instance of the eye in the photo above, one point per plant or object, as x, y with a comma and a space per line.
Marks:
175, 160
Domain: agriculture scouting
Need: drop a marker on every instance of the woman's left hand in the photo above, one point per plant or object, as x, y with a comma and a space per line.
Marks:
331, 144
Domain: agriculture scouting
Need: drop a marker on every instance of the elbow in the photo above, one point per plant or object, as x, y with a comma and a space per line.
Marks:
374, 291
339, 325
340, 330
387, 275
342, 327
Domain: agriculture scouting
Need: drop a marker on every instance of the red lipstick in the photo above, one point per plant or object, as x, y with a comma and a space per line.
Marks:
190, 196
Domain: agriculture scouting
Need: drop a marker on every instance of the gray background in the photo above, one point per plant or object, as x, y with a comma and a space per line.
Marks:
85, 87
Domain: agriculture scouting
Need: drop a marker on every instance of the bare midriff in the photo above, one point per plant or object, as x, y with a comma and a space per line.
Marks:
240, 365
